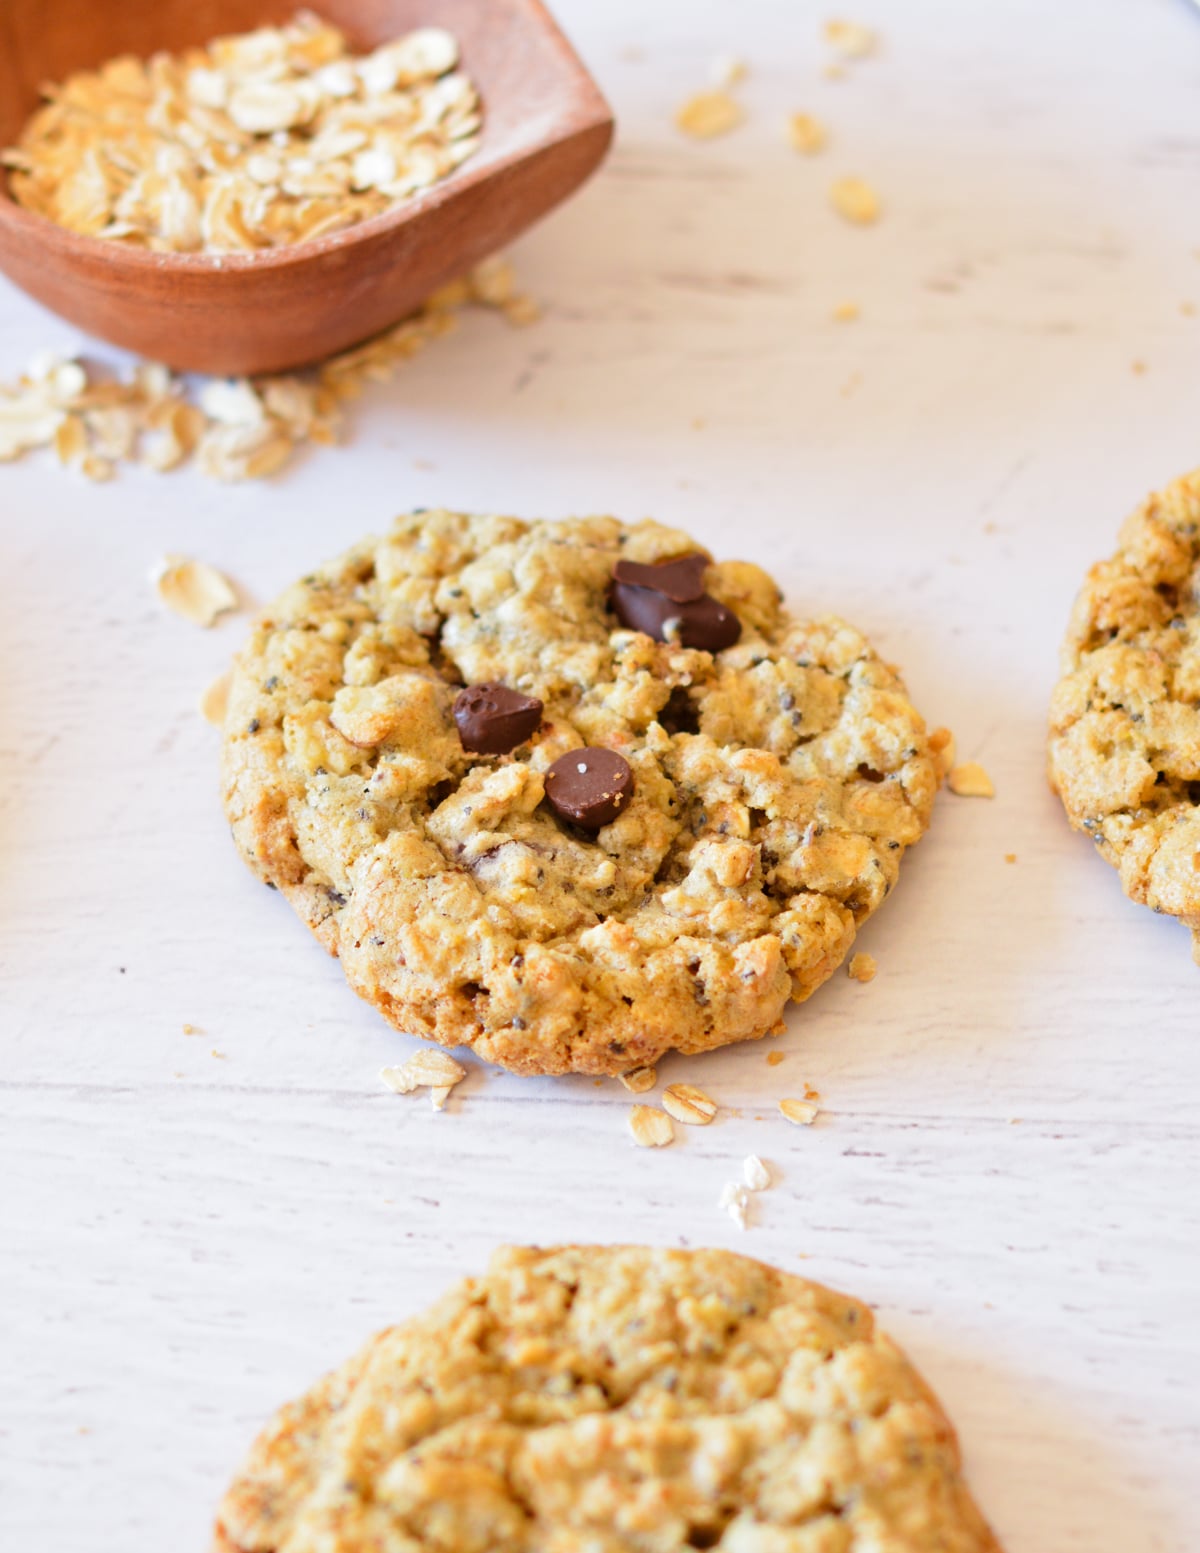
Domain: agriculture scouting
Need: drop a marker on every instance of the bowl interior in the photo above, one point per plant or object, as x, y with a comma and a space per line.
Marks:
528, 79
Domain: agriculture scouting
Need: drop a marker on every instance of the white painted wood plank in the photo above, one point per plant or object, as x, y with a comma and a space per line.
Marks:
1007, 1162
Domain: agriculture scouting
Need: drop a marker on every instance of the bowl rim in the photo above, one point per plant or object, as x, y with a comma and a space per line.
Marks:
591, 113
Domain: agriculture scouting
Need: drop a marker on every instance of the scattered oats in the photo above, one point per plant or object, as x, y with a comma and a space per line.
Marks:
970, 780
861, 968
806, 134
688, 1105
194, 590
1010, 857
727, 70
775, 1058
845, 312
850, 39
651, 1129
189, 1030
801, 1113
257, 141
708, 114
236, 429
855, 201
941, 742
439, 1094
639, 1080
755, 1173
215, 698
735, 1201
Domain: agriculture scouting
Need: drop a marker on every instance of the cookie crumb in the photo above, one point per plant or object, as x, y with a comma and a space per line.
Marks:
862, 968
190, 1030
1188, 309
651, 1128
1139, 368
735, 1201
851, 39
193, 590
1010, 857
688, 1105
970, 780
806, 134
941, 742
801, 1113
706, 115
639, 1080
775, 1058
755, 1173
855, 201
215, 698
846, 312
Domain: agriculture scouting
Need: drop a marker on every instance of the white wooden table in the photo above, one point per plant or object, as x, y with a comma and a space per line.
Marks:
196, 1226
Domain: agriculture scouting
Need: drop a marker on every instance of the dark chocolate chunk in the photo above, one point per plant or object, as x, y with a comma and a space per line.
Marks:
492, 719
679, 580
589, 786
668, 602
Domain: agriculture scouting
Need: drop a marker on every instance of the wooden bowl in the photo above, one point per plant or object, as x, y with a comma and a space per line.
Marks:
546, 127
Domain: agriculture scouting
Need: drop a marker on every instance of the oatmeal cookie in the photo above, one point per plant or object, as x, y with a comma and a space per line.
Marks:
612, 1399
1125, 718
681, 838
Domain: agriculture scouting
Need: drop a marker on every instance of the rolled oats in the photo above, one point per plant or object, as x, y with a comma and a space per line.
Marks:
639, 1080
688, 1105
194, 590
651, 1129
708, 114
215, 698
855, 201
755, 1173
257, 141
807, 134
801, 1113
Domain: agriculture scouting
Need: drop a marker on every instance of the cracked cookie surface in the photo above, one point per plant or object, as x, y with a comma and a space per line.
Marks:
614, 1400
1125, 717
777, 784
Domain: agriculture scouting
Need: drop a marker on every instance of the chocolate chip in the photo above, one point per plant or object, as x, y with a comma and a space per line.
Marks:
668, 602
492, 719
589, 786
680, 580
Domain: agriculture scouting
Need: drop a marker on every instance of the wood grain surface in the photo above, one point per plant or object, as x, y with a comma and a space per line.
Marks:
195, 1226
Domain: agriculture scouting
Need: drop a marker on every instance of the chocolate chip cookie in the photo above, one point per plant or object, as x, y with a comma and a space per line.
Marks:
573, 794
1125, 718
607, 1400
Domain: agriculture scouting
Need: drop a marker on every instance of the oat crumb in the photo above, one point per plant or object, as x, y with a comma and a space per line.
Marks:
846, 312
735, 1201
215, 698
193, 590
970, 780
801, 1113
861, 968
1010, 857
775, 1058
851, 39
639, 1080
